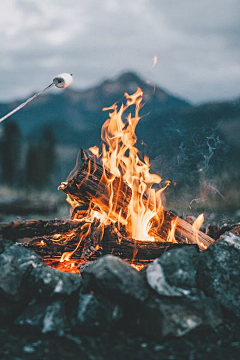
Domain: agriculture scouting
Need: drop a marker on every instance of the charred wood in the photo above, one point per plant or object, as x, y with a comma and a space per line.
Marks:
30, 228
135, 250
89, 185
96, 245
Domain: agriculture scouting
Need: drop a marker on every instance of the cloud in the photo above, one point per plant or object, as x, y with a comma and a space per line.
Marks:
196, 43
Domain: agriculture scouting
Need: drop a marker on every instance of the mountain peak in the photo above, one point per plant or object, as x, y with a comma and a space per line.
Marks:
129, 76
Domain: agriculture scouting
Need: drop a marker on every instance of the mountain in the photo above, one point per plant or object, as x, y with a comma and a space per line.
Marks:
224, 116
72, 113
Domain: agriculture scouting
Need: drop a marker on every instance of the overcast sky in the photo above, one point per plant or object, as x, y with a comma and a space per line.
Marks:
197, 44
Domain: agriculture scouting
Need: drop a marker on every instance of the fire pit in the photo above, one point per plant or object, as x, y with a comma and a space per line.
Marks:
142, 268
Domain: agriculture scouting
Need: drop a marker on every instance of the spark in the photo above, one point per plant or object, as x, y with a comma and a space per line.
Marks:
154, 60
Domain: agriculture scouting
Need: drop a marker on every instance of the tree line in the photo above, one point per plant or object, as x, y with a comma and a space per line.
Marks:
27, 163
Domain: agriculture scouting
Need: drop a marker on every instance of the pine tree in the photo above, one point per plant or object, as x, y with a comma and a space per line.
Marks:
40, 161
11, 154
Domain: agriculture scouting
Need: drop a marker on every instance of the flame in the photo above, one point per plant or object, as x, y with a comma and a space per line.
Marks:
171, 233
121, 159
198, 222
66, 256
196, 227
154, 60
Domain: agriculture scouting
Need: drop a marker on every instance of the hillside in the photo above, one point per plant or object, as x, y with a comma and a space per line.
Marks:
72, 112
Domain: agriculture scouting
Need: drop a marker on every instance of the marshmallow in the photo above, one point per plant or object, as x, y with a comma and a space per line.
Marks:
63, 80
60, 81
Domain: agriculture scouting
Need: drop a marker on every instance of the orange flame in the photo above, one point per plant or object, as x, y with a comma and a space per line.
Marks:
121, 158
171, 233
196, 227
198, 222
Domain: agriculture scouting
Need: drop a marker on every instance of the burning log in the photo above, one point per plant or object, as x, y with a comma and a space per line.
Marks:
89, 186
131, 249
52, 238
31, 228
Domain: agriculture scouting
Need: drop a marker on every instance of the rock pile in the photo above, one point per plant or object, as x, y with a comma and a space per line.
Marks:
178, 292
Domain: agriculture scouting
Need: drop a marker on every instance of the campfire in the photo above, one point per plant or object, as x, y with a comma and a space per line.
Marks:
142, 267
117, 204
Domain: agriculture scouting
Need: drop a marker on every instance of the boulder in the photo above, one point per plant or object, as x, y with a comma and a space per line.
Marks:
46, 281
84, 266
219, 272
9, 310
4, 244
115, 278
96, 312
174, 273
43, 317
178, 316
16, 263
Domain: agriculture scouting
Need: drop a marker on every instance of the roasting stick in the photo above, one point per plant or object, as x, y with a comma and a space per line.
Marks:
61, 81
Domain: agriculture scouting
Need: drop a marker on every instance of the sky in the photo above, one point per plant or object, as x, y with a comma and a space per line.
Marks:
196, 42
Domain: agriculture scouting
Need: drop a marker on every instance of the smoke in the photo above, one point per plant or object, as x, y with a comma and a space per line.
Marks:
191, 158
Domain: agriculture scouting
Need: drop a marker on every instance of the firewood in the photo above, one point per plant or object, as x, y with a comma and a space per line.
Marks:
88, 185
41, 239
93, 248
136, 250
92, 242
30, 228
184, 231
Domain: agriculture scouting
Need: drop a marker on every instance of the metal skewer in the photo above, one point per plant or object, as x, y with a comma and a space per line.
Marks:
61, 81
24, 103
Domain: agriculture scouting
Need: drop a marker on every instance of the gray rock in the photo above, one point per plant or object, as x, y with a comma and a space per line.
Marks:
174, 273
178, 316
9, 310
43, 317
219, 272
96, 312
4, 244
47, 281
15, 263
114, 277
84, 266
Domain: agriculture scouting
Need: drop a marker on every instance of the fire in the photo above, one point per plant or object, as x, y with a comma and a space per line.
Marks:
171, 233
121, 158
198, 222
128, 197
122, 164
196, 227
